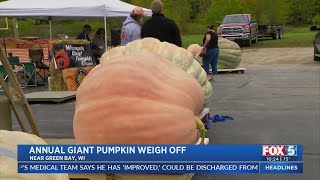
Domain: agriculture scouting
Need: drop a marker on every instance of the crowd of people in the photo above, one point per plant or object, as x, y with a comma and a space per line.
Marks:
159, 27
98, 42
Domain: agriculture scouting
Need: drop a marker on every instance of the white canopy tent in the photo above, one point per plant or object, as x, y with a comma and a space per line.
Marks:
67, 9
116, 8
38, 8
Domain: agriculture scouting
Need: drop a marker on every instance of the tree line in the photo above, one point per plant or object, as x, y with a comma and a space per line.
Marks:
264, 11
193, 16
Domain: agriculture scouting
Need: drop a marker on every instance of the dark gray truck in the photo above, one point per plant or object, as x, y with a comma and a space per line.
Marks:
242, 28
316, 45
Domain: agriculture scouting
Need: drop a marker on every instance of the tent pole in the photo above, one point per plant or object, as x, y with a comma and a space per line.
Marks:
105, 33
50, 28
15, 28
4, 44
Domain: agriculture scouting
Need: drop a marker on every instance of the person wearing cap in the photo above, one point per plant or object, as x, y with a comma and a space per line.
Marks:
131, 29
161, 27
86, 30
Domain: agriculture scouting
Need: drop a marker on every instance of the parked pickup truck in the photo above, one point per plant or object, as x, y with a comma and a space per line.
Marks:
241, 28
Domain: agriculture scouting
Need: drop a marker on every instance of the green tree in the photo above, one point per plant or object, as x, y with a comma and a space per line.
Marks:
219, 8
302, 11
268, 11
317, 6
316, 18
264, 11
197, 7
127, 1
178, 10
142, 3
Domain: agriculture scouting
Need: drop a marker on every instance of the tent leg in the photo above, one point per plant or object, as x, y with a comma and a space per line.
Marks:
15, 28
105, 33
4, 44
50, 26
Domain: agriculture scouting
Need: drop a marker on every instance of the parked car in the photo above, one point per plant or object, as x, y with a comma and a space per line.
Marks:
316, 45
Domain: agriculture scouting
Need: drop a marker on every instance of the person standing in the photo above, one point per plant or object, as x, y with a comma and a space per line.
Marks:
131, 29
98, 45
161, 27
86, 30
210, 42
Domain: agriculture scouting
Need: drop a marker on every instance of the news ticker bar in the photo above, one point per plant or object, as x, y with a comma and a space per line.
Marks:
173, 153
162, 168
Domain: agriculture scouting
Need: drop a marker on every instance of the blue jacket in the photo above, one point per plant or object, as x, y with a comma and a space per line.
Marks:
83, 36
131, 30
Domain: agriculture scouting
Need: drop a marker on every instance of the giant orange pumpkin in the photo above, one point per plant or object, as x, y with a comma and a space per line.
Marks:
138, 99
181, 57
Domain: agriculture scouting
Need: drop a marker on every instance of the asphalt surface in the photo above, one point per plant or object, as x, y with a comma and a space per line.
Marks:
277, 104
271, 105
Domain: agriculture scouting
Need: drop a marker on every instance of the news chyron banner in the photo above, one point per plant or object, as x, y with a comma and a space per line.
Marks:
160, 159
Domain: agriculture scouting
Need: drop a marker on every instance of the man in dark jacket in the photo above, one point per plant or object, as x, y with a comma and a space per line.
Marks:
160, 27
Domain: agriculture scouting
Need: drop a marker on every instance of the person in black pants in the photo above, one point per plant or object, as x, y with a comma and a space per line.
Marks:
160, 27
210, 41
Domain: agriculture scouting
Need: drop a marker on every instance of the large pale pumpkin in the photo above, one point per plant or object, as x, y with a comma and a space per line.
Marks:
8, 156
137, 99
182, 58
230, 55
195, 49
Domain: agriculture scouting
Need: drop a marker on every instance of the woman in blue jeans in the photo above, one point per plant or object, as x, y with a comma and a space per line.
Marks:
210, 41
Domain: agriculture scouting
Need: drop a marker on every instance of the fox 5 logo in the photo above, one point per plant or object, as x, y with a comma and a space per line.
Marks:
278, 150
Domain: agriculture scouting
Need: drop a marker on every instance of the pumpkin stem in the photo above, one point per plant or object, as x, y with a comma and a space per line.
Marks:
201, 128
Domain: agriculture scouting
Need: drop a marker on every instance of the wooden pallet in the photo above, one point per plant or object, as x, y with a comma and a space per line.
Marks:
237, 70
50, 96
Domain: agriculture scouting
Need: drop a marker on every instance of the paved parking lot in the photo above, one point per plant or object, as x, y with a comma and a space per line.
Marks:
271, 105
